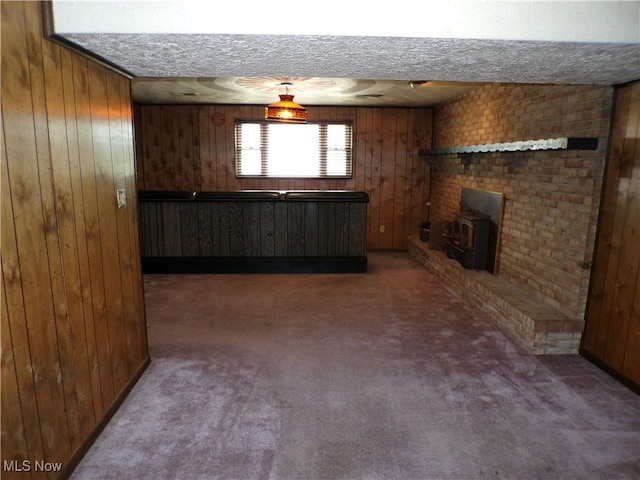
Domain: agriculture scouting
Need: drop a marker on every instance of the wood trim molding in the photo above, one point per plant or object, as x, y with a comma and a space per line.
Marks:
78, 455
624, 380
50, 34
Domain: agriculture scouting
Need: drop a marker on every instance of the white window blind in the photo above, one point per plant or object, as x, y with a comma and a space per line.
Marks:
311, 150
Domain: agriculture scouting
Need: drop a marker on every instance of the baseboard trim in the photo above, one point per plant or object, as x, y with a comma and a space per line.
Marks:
627, 382
355, 264
74, 461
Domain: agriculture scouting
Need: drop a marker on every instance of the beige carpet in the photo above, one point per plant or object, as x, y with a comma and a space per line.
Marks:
384, 375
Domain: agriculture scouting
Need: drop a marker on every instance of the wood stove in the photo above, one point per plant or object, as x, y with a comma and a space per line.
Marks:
467, 240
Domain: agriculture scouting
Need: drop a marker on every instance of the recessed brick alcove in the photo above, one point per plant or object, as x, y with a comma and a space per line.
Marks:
537, 327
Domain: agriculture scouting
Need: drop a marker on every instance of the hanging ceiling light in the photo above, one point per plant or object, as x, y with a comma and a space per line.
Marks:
286, 110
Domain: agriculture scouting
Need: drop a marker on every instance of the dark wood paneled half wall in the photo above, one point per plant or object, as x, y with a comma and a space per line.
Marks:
253, 231
180, 148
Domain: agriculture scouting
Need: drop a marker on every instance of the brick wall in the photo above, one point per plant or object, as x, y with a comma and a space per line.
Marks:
551, 211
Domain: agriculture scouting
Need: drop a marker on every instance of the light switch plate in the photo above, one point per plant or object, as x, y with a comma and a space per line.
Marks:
121, 197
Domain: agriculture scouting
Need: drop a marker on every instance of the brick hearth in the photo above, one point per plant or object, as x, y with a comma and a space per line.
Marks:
536, 326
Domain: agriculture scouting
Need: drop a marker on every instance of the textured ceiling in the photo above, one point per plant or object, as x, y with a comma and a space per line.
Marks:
307, 90
346, 70
153, 55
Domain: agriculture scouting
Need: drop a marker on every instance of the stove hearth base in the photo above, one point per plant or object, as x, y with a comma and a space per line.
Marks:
535, 326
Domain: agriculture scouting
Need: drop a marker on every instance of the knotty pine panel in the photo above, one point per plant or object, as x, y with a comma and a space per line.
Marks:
180, 148
612, 332
73, 333
32, 226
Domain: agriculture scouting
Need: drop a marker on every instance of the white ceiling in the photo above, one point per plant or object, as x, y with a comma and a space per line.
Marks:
240, 52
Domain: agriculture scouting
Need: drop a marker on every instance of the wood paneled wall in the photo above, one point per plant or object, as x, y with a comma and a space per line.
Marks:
180, 148
612, 333
73, 325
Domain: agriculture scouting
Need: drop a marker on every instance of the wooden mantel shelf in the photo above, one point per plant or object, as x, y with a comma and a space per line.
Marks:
560, 143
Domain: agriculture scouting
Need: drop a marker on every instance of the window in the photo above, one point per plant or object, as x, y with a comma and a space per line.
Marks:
310, 150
